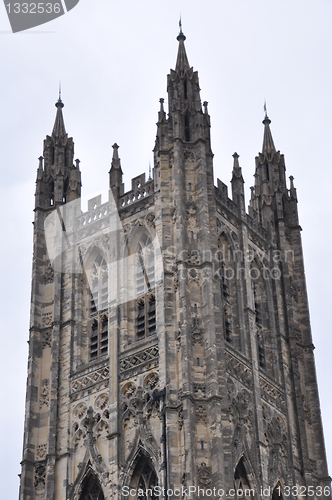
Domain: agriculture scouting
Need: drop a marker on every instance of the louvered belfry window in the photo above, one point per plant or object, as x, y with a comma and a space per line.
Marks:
98, 308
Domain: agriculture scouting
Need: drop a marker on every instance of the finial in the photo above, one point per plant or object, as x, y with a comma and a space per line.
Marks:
205, 104
291, 178
115, 151
180, 35
59, 103
150, 178
77, 161
161, 100
265, 109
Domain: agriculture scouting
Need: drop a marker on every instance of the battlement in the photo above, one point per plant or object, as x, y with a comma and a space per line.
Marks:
140, 188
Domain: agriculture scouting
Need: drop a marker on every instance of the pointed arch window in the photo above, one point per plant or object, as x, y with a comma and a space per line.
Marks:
145, 282
91, 489
277, 493
98, 306
144, 480
242, 486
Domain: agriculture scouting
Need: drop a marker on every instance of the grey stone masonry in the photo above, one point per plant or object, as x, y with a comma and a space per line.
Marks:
170, 339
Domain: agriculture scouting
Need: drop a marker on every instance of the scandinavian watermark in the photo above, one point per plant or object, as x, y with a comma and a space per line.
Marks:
24, 15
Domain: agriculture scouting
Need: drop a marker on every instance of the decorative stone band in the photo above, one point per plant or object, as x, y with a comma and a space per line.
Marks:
272, 394
239, 369
139, 362
90, 379
270, 390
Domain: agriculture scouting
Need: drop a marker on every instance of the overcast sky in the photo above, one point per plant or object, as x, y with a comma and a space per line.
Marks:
112, 59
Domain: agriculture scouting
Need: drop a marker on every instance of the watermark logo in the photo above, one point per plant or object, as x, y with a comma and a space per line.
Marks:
95, 244
25, 15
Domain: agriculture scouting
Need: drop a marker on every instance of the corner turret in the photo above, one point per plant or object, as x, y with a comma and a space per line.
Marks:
58, 179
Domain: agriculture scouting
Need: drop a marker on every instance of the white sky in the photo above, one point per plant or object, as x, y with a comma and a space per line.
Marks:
112, 59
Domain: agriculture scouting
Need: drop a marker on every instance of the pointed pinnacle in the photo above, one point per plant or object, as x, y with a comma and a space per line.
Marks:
59, 125
268, 144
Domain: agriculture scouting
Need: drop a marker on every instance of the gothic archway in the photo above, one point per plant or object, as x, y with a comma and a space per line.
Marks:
143, 480
91, 489
243, 488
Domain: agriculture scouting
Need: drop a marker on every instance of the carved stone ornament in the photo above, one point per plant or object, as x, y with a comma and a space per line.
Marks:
40, 478
201, 414
204, 475
47, 319
41, 451
46, 339
48, 274
44, 394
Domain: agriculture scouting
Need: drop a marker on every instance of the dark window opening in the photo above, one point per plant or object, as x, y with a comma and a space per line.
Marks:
91, 489
185, 89
152, 316
140, 321
98, 304
186, 129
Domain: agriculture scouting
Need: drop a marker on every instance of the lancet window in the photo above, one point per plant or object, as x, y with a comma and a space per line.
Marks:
98, 306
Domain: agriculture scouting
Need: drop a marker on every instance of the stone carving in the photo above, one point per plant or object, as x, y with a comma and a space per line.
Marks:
151, 380
40, 478
204, 475
48, 274
150, 220
178, 338
80, 410
180, 413
272, 394
201, 414
191, 209
238, 370
231, 389
128, 390
136, 414
44, 394
90, 379
197, 333
102, 401
46, 339
139, 362
200, 390
89, 423
189, 155
41, 451
47, 319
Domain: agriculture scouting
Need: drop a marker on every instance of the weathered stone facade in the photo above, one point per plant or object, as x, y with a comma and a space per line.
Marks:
201, 375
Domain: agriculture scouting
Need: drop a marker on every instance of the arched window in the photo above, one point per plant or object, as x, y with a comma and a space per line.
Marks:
242, 486
143, 281
277, 492
144, 480
98, 305
91, 489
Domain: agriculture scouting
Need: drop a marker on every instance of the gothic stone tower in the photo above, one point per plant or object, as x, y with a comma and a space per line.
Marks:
170, 339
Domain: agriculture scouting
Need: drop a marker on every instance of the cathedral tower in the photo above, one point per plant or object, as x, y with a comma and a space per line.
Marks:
170, 340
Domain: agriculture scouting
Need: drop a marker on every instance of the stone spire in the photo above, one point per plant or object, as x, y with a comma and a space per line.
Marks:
182, 63
268, 144
59, 124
